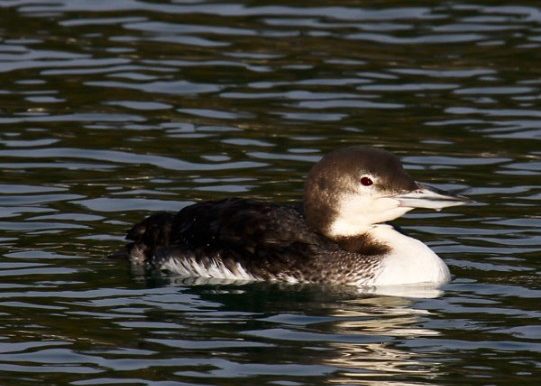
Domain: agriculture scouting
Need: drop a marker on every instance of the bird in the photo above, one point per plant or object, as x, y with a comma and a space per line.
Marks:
339, 234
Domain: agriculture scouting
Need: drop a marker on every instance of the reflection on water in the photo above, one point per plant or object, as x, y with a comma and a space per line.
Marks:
112, 110
381, 361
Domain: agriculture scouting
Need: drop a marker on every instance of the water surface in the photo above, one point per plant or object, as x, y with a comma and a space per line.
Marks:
111, 110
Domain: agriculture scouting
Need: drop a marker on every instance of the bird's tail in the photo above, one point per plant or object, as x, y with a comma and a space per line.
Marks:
148, 235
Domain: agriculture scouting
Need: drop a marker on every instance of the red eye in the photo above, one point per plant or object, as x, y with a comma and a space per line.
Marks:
366, 181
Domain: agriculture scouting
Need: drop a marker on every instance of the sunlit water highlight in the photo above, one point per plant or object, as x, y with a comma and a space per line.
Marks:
110, 110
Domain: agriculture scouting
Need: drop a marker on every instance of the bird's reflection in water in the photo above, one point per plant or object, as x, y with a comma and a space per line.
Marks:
360, 335
380, 363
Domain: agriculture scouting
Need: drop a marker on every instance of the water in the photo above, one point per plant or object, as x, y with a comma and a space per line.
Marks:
111, 110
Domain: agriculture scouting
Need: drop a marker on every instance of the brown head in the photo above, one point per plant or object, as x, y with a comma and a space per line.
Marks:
352, 188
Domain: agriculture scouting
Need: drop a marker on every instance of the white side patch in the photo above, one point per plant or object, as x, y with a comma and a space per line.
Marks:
188, 267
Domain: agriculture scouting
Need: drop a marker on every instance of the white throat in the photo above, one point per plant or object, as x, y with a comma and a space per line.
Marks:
357, 214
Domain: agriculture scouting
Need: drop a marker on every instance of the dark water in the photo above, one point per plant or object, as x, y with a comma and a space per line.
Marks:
110, 110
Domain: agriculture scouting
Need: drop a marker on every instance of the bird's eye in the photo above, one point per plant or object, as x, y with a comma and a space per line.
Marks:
366, 181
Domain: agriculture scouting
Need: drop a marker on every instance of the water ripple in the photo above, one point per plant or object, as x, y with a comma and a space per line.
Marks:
115, 109
125, 158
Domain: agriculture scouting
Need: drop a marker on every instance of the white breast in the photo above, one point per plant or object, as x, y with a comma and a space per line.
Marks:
409, 261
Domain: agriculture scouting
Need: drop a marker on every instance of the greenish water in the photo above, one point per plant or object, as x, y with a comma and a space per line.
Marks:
111, 110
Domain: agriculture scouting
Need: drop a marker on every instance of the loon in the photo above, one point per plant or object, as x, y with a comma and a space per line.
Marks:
338, 235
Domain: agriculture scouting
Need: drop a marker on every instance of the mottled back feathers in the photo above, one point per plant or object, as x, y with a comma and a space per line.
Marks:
268, 241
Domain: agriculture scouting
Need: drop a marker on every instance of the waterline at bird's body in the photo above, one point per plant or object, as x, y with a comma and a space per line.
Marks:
337, 235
